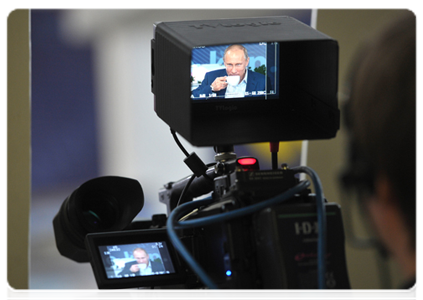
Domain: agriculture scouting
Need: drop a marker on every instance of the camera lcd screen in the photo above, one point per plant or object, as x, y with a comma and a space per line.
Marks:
134, 258
237, 71
131, 260
289, 91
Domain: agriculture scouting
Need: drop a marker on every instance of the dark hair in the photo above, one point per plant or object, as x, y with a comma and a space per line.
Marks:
381, 114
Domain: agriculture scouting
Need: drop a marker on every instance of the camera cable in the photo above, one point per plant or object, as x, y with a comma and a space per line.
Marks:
274, 149
321, 221
173, 223
192, 160
182, 198
178, 142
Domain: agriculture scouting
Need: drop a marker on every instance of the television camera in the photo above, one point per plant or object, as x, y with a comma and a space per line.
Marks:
230, 225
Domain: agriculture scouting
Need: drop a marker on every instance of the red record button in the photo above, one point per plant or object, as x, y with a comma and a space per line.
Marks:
248, 163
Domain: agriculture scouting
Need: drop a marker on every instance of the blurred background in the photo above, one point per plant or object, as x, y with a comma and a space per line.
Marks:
92, 114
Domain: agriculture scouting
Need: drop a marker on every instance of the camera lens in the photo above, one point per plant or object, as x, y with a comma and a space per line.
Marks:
101, 204
99, 212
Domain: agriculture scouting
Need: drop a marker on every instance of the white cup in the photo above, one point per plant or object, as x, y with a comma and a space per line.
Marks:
233, 80
142, 266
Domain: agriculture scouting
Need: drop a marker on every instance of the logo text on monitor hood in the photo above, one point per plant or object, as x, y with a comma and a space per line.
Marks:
252, 24
226, 108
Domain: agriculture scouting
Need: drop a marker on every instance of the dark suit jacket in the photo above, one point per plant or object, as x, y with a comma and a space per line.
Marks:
255, 82
155, 267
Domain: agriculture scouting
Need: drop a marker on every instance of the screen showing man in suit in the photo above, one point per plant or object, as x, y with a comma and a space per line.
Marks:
136, 260
234, 71
142, 265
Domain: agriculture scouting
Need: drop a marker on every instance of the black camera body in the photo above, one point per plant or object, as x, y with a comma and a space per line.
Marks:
254, 228
274, 248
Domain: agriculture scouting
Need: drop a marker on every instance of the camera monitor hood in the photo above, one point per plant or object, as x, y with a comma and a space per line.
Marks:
298, 63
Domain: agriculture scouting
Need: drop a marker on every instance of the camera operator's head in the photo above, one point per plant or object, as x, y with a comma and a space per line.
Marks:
381, 118
236, 60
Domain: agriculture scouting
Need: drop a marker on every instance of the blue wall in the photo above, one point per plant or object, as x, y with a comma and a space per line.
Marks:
63, 139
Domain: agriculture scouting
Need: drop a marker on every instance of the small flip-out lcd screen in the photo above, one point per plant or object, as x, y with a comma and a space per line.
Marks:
134, 258
237, 71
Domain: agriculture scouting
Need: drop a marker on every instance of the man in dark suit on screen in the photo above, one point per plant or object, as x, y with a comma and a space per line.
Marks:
236, 81
142, 265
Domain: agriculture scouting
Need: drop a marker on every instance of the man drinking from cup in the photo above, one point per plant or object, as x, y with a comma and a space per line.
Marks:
142, 265
235, 81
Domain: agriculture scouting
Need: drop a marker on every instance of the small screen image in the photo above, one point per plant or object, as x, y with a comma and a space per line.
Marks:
235, 71
132, 260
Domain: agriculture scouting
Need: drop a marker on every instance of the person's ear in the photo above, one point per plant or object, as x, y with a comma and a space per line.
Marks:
384, 214
384, 193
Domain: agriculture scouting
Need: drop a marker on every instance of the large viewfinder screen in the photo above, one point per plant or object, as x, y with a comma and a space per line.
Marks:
235, 71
